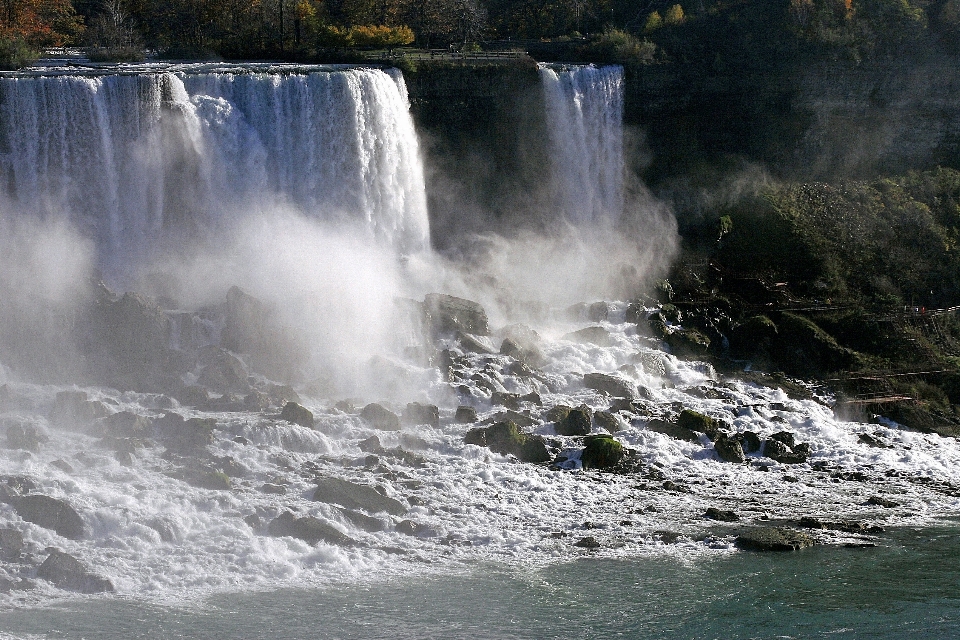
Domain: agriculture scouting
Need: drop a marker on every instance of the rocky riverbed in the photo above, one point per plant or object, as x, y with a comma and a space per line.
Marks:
195, 456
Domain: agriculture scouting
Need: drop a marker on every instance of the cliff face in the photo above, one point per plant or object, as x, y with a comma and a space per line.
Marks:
484, 139
811, 122
485, 129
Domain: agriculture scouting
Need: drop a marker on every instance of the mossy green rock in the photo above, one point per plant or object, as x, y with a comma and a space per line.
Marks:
601, 452
774, 539
696, 421
507, 439
575, 423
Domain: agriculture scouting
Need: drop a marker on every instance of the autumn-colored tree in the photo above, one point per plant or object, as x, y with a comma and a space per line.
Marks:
39, 23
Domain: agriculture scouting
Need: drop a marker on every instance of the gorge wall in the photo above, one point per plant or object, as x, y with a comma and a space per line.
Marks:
807, 122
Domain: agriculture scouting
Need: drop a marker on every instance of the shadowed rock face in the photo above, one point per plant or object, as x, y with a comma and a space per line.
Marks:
50, 513
449, 314
66, 572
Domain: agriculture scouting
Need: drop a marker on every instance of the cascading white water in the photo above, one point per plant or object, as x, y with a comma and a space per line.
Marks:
130, 157
584, 107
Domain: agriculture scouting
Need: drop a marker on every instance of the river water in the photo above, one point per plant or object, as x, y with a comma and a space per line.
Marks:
906, 587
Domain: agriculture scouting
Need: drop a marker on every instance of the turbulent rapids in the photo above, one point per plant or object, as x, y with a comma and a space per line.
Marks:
288, 402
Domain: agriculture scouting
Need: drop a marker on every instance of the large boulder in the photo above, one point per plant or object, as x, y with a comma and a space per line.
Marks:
185, 436
50, 513
601, 452
673, 430
25, 436
774, 539
506, 438
729, 449
696, 421
356, 496
127, 424
575, 422
297, 414
610, 385
448, 314
417, 413
379, 417
66, 572
127, 341
72, 409
221, 371
309, 529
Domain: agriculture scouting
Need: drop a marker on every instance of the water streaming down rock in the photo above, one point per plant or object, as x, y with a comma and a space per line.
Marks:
585, 119
131, 157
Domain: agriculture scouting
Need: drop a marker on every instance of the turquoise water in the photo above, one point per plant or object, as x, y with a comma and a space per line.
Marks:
908, 587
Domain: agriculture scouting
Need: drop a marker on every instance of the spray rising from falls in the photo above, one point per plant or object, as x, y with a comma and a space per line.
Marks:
131, 158
585, 120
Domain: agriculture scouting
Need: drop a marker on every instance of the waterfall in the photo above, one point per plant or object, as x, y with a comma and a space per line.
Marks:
584, 110
129, 158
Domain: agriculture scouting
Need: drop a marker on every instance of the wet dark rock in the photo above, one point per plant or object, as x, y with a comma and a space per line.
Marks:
66, 572
256, 401
355, 496
777, 450
471, 344
309, 529
193, 396
687, 342
411, 528
380, 417
587, 542
297, 414
601, 452
371, 445
449, 314
26, 437
507, 439
696, 421
508, 400
11, 544
720, 515
880, 501
185, 436
606, 421
749, 441
590, 335
673, 430
729, 449
273, 489
610, 385
417, 413
872, 441
50, 513
576, 422
363, 521
786, 438
72, 409
222, 372
465, 414
127, 339
773, 539
127, 424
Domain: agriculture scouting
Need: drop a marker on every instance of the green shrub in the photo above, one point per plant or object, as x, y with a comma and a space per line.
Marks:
15, 54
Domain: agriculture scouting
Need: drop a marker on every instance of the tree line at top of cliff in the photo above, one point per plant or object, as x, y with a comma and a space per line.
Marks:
711, 33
